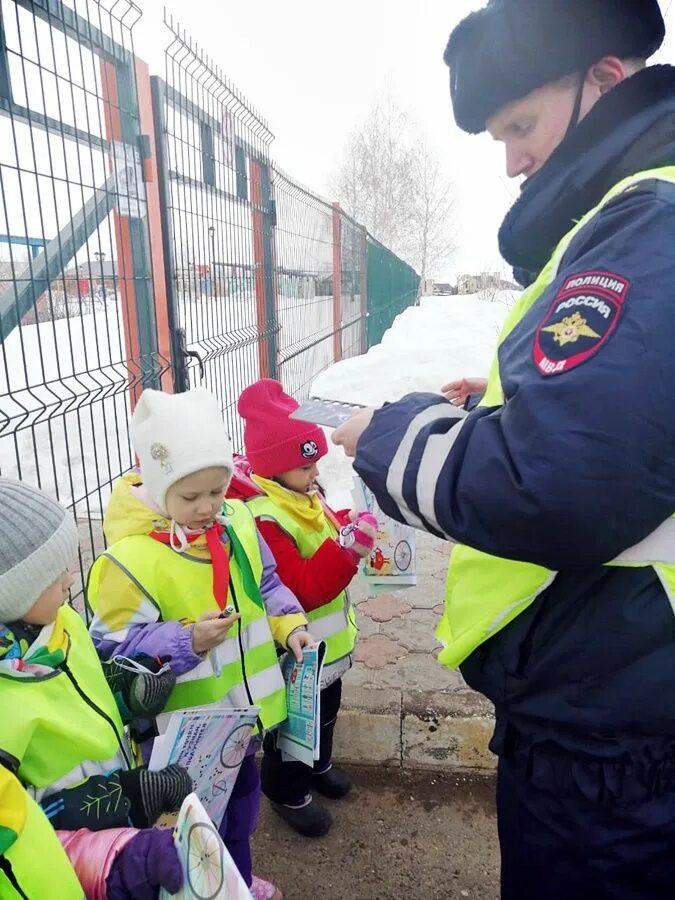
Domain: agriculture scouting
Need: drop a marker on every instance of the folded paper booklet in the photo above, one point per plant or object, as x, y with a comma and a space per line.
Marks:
210, 742
331, 413
393, 561
209, 871
298, 737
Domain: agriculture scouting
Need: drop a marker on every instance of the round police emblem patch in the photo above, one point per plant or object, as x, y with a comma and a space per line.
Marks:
583, 316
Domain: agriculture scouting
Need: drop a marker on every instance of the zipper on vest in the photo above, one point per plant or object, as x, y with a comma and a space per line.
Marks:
104, 715
241, 654
6, 867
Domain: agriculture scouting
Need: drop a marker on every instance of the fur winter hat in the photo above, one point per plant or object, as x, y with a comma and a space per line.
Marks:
275, 443
511, 47
38, 543
176, 435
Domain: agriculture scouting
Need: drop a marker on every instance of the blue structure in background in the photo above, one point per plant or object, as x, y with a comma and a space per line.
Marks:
35, 244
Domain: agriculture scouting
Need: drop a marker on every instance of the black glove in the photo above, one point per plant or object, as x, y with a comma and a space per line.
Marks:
141, 685
97, 803
153, 793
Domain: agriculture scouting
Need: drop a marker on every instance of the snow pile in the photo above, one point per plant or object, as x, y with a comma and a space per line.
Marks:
443, 339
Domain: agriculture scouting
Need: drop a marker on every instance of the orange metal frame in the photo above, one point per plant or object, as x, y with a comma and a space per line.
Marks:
125, 262
259, 260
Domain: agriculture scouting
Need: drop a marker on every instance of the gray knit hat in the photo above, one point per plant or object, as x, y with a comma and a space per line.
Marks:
38, 542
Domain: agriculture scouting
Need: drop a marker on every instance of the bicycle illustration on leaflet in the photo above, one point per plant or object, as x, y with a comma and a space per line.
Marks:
205, 862
402, 558
232, 755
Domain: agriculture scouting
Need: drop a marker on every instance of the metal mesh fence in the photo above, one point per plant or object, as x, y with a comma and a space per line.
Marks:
353, 305
393, 286
68, 117
147, 240
216, 148
304, 257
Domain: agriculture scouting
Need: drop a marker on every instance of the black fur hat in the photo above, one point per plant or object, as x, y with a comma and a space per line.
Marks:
511, 47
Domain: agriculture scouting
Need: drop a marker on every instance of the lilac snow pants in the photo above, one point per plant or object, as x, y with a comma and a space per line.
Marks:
241, 815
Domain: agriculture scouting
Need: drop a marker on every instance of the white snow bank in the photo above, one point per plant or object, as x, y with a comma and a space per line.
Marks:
442, 339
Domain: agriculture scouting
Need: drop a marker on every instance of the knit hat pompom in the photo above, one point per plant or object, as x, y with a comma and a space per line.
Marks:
38, 544
274, 442
510, 48
176, 435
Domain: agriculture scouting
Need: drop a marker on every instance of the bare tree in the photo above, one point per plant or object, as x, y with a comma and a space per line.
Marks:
432, 236
489, 290
390, 182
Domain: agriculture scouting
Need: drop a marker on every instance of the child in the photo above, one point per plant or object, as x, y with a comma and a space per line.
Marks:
61, 732
24, 832
42, 864
317, 556
179, 557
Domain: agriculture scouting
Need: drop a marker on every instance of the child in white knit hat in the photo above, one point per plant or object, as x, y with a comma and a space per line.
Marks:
152, 592
61, 733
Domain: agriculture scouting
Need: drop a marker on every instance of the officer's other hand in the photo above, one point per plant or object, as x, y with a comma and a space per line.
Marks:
457, 392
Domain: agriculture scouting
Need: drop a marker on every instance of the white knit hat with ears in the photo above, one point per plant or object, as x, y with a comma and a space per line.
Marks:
176, 435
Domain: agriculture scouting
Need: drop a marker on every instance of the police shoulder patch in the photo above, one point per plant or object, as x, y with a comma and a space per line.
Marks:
582, 317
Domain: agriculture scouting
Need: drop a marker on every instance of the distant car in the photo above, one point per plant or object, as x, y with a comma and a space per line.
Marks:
444, 290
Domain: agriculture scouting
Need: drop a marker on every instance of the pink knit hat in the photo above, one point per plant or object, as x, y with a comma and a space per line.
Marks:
275, 443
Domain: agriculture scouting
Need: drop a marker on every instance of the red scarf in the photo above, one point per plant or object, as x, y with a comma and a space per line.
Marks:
220, 558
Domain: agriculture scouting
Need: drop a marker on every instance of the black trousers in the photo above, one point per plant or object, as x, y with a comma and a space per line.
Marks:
581, 828
290, 782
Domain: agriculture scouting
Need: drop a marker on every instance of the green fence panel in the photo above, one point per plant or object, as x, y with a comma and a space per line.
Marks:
393, 286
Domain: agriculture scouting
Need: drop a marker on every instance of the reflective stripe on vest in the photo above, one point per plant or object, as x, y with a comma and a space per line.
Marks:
52, 729
39, 868
180, 586
333, 622
485, 593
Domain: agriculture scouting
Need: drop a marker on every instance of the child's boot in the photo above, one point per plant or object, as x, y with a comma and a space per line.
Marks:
310, 819
333, 783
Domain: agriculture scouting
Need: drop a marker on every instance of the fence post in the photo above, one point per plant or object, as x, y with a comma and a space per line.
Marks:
263, 219
134, 274
337, 282
158, 216
181, 380
363, 270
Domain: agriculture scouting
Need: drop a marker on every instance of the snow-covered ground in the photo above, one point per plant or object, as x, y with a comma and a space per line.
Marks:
442, 339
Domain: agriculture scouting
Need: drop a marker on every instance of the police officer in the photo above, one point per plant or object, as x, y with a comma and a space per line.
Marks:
559, 488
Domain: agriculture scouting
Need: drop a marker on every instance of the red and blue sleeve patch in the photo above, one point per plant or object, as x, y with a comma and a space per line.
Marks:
583, 316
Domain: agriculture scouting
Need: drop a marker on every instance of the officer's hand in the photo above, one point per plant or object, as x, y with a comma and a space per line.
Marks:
457, 392
347, 435
210, 630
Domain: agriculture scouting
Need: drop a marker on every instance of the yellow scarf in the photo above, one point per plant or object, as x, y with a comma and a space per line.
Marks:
306, 509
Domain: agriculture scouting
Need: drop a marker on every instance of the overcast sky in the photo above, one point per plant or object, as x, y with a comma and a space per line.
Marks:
315, 70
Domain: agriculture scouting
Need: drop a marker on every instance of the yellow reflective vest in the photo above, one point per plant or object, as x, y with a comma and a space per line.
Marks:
485, 593
243, 669
33, 864
64, 726
334, 622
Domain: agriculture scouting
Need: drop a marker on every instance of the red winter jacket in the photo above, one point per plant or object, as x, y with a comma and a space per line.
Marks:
314, 581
